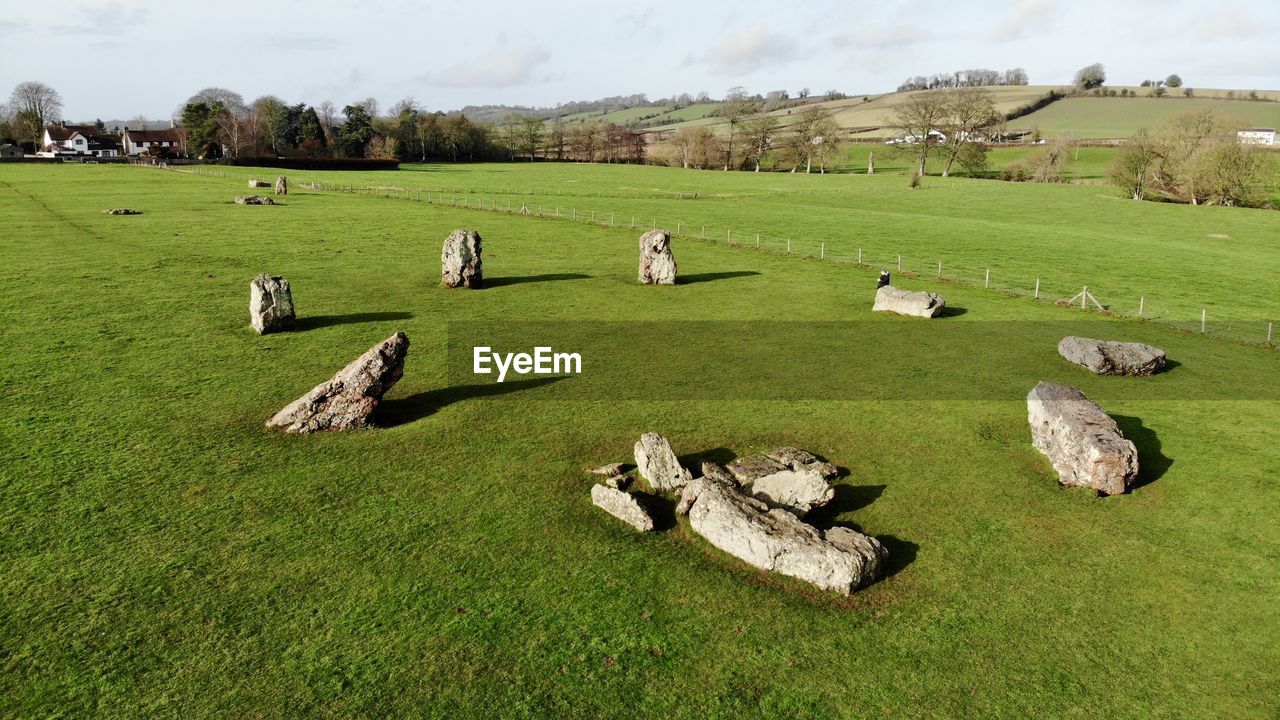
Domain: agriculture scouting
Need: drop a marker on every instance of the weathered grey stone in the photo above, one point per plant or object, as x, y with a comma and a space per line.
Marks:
270, 304
657, 463
282, 185
715, 472
460, 263
1109, 357
903, 302
747, 469
259, 184
607, 470
1082, 441
254, 200
798, 491
351, 397
621, 505
618, 482
798, 459
121, 211
657, 263
775, 540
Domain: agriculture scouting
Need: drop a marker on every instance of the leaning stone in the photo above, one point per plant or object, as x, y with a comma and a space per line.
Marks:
747, 469
775, 540
270, 304
657, 463
351, 397
797, 491
1109, 357
121, 211
1082, 441
657, 263
798, 459
254, 200
621, 505
903, 302
460, 263
282, 185
607, 470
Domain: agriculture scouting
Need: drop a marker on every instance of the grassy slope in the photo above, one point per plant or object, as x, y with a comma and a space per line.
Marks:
164, 555
1068, 236
1090, 117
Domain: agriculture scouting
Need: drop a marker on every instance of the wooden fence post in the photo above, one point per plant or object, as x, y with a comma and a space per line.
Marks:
1203, 319
987, 283
823, 252
1037, 288
899, 262
1142, 305
1084, 298
1270, 325
939, 271
859, 256
788, 246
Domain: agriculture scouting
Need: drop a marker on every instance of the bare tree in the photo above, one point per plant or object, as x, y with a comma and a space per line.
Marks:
737, 105
328, 114
970, 110
558, 138
919, 117
1134, 167
532, 132
814, 136
758, 133
35, 105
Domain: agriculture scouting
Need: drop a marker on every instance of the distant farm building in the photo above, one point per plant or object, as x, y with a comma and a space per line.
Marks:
934, 136
9, 152
150, 142
1257, 136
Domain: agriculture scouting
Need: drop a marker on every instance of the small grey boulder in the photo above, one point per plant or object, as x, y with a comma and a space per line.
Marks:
1110, 357
903, 302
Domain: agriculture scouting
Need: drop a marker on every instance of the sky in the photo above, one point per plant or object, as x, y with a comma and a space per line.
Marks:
121, 59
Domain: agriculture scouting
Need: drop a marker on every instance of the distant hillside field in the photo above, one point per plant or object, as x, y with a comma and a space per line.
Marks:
1095, 117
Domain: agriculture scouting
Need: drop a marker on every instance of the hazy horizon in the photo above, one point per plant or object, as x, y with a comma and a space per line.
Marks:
102, 56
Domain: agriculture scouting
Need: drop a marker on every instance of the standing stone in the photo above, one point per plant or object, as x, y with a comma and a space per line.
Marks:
460, 264
282, 185
904, 302
622, 505
350, 398
1109, 357
270, 304
657, 463
657, 264
1082, 441
839, 559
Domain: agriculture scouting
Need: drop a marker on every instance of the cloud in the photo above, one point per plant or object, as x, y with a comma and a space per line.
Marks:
636, 23
299, 41
505, 66
1027, 16
748, 50
107, 19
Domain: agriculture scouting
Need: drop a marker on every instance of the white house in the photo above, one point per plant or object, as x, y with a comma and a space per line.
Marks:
63, 139
153, 142
1257, 136
934, 136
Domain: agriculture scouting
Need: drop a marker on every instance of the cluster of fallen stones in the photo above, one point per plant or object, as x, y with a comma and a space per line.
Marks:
254, 200
121, 211
753, 509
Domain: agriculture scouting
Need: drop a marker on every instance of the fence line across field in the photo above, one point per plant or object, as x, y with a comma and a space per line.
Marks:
1249, 331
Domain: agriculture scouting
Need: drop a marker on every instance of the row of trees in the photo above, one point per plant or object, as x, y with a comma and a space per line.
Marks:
979, 77
589, 141
1195, 157
812, 141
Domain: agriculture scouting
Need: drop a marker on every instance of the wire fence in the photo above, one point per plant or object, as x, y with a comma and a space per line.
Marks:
1263, 333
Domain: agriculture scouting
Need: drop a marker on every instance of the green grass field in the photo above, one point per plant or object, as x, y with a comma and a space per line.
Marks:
166, 556
1181, 259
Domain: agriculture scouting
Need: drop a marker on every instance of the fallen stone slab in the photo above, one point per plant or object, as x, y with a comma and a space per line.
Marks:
798, 459
1081, 440
254, 200
259, 184
351, 397
607, 470
903, 302
840, 559
270, 304
460, 261
797, 491
1111, 357
657, 263
748, 469
621, 505
657, 463
121, 211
